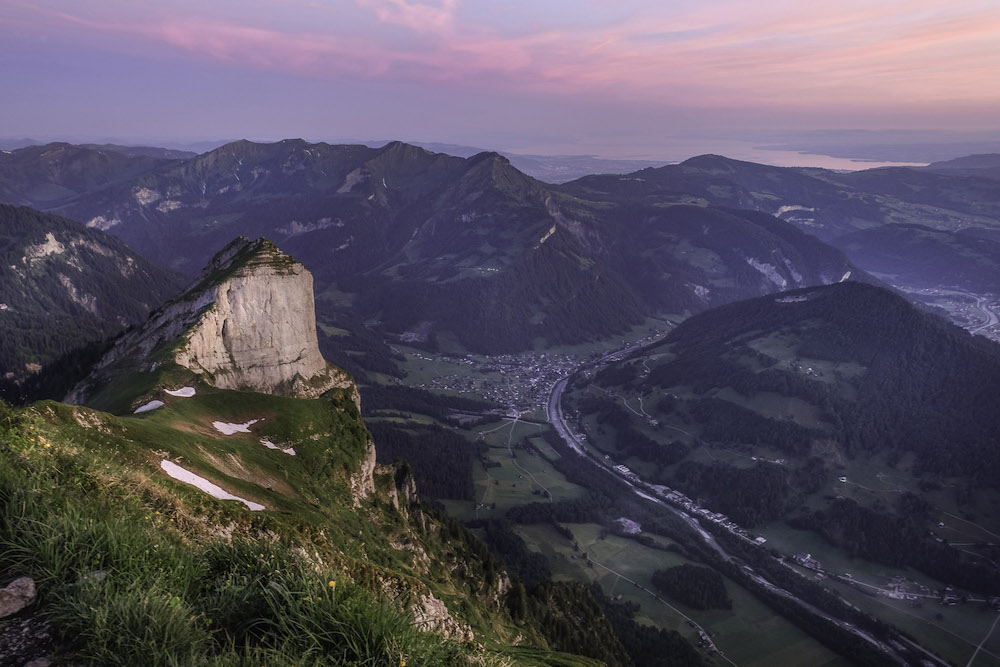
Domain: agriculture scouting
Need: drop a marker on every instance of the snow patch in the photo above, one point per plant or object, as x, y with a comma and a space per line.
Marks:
845, 276
183, 392
149, 407
208, 487
229, 429
270, 445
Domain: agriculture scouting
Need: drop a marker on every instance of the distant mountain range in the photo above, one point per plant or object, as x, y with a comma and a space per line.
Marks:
915, 228
470, 252
827, 204
547, 168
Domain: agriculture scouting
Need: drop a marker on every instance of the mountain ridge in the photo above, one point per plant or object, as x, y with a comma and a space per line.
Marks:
384, 230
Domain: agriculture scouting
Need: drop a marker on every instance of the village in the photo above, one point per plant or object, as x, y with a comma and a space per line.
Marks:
521, 382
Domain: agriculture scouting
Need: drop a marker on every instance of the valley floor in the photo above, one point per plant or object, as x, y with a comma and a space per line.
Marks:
523, 468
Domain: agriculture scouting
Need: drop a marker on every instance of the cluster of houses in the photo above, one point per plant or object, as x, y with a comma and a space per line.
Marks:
627, 473
807, 561
706, 642
678, 498
524, 380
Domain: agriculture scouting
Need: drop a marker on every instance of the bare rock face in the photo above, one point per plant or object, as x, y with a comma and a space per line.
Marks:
17, 595
248, 323
363, 482
430, 613
259, 333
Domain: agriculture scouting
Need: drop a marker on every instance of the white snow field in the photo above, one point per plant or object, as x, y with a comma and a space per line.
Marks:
152, 405
228, 429
208, 487
270, 445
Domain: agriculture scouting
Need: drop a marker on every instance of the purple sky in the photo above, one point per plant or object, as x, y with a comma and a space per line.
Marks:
576, 76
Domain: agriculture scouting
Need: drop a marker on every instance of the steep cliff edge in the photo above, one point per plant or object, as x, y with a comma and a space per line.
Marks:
268, 497
248, 323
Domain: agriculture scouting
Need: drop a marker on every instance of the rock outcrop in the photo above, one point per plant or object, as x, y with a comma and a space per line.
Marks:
362, 483
17, 595
248, 323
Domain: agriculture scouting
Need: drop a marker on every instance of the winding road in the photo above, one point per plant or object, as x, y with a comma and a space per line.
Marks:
556, 418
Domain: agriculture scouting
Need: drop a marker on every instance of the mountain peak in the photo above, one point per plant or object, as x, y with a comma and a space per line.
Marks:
488, 155
244, 255
712, 162
248, 323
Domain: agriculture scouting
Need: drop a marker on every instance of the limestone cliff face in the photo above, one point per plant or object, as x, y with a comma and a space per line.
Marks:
259, 333
248, 323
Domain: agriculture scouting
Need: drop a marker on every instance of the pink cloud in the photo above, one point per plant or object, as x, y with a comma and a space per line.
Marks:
780, 52
414, 15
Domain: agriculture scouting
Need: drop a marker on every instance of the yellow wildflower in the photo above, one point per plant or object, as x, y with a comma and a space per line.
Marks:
333, 584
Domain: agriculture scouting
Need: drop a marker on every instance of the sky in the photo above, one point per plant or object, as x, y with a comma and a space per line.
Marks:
618, 78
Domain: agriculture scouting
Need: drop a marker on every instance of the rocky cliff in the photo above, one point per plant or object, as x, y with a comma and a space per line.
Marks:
248, 323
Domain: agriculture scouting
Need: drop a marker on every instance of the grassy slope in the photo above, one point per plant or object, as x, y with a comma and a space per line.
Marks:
81, 492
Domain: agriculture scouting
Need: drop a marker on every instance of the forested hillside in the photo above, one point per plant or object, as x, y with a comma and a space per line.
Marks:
64, 287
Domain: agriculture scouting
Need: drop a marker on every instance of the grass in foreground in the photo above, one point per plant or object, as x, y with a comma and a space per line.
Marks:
126, 584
